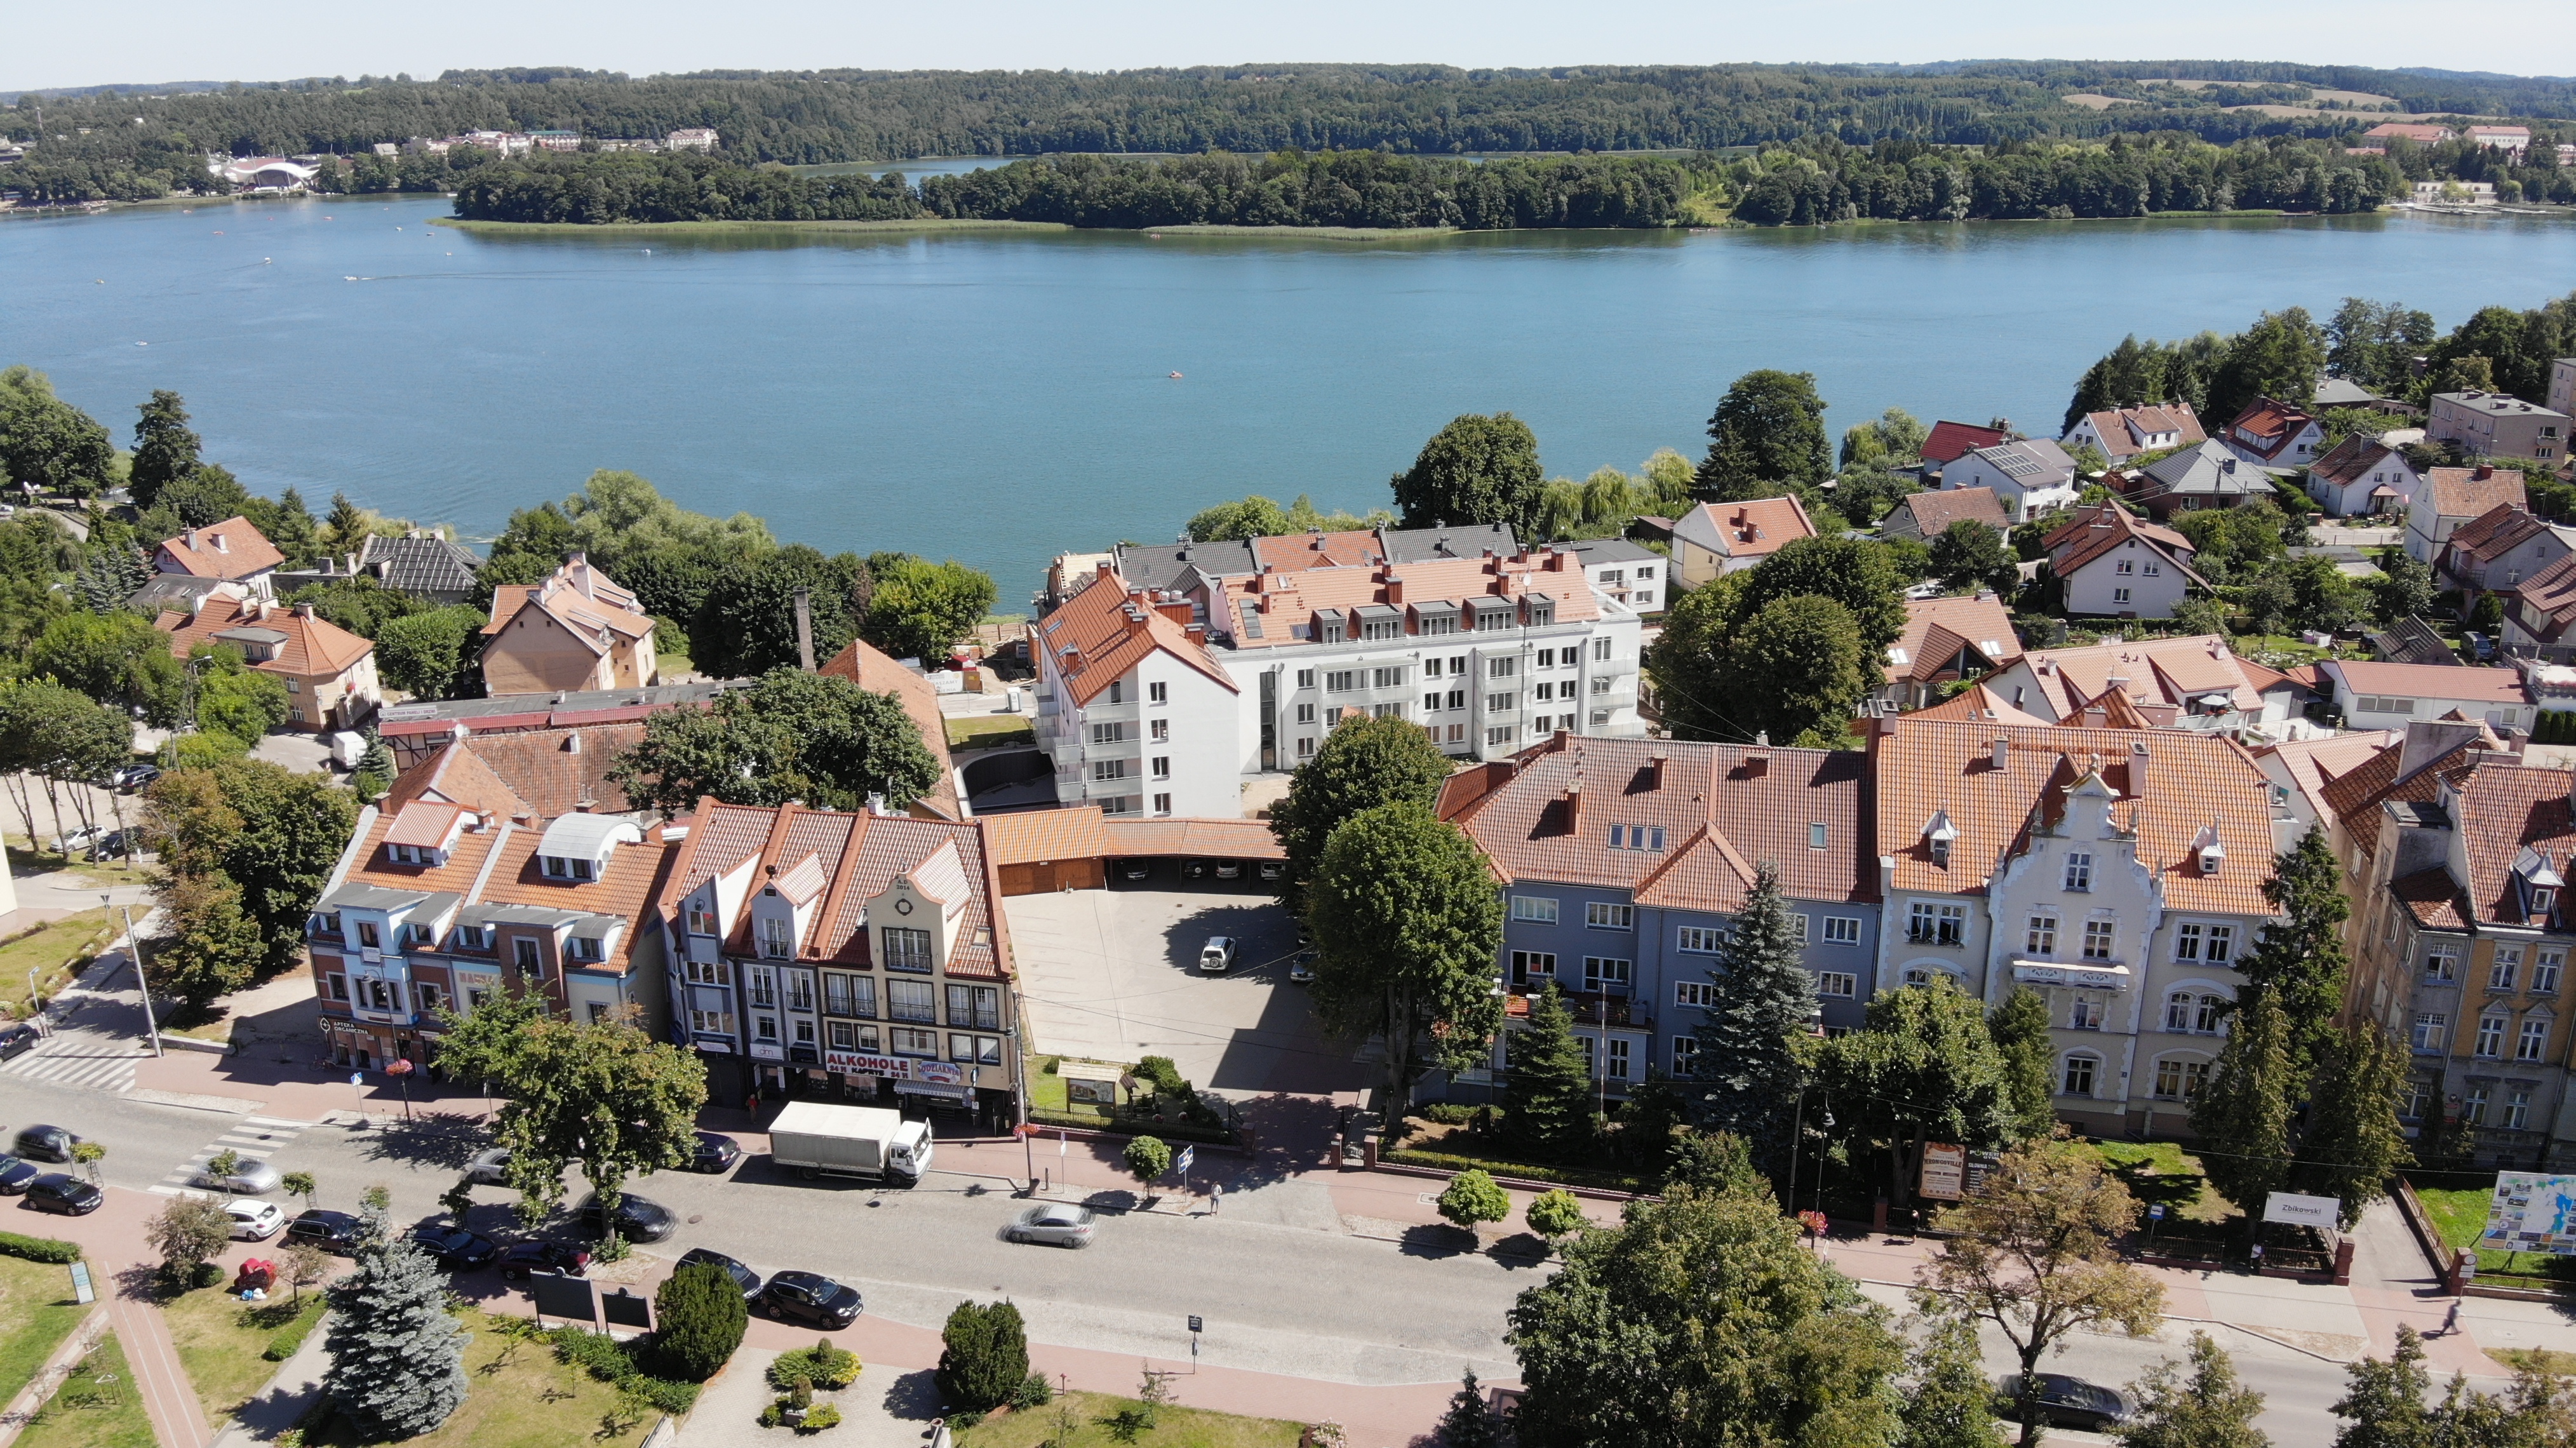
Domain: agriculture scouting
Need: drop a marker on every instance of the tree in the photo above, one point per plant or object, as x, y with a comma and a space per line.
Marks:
1857, 575
188, 1232
483, 1046
302, 1264
984, 1356
1472, 1197
46, 442
1970, 554
375, 772
920, 608
275, 834
1250, 517
1363, 763
2353, 1143
347, 524
1747, 1067
235, 700
1477, 469
1406, 922
2206, 1408
206, 496
745, 623
2243, 1115
53, 735
301, 1184
1716, 1325
212, 949
2033, 1255
2299, 953
2019, 1027
1468, 1423
1922, 1068
700, 1318
605, 1097
1767, 437
1554, 1214
819, 738
117, 658
1795, 671
1547, 1098
2384, 1407
1146, 1159
1894, 438
2404, 588
1950, 1402
2280, 357
164, 449
2375, 343
433, 655
397, 1358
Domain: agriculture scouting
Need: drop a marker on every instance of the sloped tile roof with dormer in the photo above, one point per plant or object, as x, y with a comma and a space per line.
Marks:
1936, 629
2128, 431
1102, 632
298, 642
422, 563
2096, 532
231, 549
1755, 528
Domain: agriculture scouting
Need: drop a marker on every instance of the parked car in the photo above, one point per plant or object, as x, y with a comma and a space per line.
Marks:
638, 1220
115, 844
68, 1195
46, 1143
1274, 869
743, 1277
73, 842
15, 1174
715, 1152
253, 1219
489, 1168
810, 1297
1301, 968
456, 1251
135, 776
16, 1041
519, 1259
1194, 869
1058, 1224
331, 1231
1138, 869
1217, 956
2066, 1402
247, 1179
1229, 869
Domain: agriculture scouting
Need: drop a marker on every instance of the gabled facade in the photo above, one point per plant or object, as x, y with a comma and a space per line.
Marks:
1946, 641
2450, 498
1720, 538
577, 630
2362, 476
2495, 552
2125, 433
329, 672
2212, 475
1137, 713
2193, 682
2109, 562
2540, 611
1926, 516
2029, 478
2276, 436
855, 957
232, 551
878, 672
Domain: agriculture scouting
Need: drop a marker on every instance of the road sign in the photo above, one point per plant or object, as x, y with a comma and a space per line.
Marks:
2156, 1212
357, 1079
1194, 1322
1188, 1154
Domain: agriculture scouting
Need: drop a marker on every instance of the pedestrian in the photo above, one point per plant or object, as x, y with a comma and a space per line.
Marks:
752, 1105
2451, 1319
1216, 1197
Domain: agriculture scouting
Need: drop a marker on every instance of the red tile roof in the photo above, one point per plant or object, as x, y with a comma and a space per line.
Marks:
2124, 430
2464, 493
231, 549
589, 604
1934, 512
1949, 441
1272, 610
2097, 531
2503, 810
1754, 528
626, 890
2433, 899
877, 672
312, 648
2429, 681
1937, 628
2549, 597
558, 770
2345, 462
1029, 837
2267, 426
1211, 838
1977, 702
1100, 635
1292, 552
2495, 532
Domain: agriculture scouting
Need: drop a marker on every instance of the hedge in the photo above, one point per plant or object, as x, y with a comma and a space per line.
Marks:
1568, 1176
283, 1343
39, 1249
1130, 1126
610, 1361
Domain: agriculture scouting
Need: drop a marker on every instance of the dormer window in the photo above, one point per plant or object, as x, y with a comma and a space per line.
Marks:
1938, 833
587, 948
559, 867
474, 937
2540, 883
777, 937
416, 855
418, 934
2542, 902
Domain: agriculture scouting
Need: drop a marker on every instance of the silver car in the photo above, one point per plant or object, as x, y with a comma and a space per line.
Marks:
1058, 1224
489, 1168
247, 1179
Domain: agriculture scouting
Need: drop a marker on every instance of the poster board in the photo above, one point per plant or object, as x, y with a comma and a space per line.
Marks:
1945, 1172
1090, 1090
2531, 1212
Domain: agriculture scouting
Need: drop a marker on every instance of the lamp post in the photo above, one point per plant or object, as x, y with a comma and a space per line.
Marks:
142, 986
1797, 1136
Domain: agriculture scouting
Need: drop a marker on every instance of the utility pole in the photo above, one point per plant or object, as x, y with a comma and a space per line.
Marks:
142, 985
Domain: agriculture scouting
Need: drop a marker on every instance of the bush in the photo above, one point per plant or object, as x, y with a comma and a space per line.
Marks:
1472, 1197
610, 1361
1129, 1126
823, 1365
702, 1317
1034, 1391
818, 1419
1554, 1214
986, 1357
1451, 1161
1449, 1113
1146, 1158
283, 1343
39, 1249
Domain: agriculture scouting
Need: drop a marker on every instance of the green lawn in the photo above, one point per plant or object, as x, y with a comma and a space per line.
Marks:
2162, 1172
36, 1314
2460, 1214
220, 1340
520, 1397
990, 731
98, 1407
55, 951
1081, 1420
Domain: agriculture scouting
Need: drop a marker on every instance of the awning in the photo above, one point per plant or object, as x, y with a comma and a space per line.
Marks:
925, 1088
2086, 977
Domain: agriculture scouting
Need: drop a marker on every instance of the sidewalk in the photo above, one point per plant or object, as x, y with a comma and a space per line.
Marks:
121, 1268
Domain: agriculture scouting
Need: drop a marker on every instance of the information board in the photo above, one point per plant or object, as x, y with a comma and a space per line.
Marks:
2531, 1213
1945, 1172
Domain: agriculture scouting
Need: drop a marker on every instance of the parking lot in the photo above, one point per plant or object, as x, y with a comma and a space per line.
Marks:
1113, 975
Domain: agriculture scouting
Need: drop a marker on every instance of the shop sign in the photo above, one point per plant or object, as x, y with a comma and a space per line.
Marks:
767, 1051
850, 1063
943, 1072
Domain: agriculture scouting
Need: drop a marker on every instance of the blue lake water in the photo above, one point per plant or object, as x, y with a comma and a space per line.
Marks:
999, 399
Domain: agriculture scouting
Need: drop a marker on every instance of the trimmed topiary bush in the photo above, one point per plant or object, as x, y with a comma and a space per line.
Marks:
823, 1365
39, 1249
1472, 1197
702, 1318
1554, 1214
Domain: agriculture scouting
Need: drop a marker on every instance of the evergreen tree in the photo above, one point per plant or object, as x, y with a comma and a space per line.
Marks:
397, 1358
2019, 1024
375, 772
1950, 1403
2300, 957
1547, 1100
2207, 1408
2243, 1115
109, 576
984, 1356
1748, 1067
289, 524
2353, 1143
347, 523
702, 1318
164, 449
1469, 1423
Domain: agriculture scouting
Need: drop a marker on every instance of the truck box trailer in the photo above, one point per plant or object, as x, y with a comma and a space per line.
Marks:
816, 1137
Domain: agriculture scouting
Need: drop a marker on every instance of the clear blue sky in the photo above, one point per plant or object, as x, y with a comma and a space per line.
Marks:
130, 41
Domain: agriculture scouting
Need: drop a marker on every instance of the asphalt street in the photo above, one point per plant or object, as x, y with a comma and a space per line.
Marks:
1278, 1299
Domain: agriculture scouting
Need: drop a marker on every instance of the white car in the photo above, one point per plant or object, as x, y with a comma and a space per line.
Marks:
254, 1220
1217, 955
490, 1168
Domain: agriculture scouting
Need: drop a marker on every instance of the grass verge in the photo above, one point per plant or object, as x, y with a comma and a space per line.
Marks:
56, 952
1082, 1420
221, 1337
518, 1396
36, 1314
98, 1407
2460, 1217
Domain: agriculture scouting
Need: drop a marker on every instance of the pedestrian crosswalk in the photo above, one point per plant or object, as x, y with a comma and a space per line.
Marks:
81, 1059
253, 1138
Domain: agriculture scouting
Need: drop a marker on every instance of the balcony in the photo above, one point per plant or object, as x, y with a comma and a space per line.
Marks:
1592, 1008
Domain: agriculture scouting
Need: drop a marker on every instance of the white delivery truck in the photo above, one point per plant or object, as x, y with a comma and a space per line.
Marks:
864, 1141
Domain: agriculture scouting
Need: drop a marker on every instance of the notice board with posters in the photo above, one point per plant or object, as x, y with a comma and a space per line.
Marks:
1945, 1172
2531, 1212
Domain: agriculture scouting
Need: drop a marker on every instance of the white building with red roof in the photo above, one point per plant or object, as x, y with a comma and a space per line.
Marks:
2124, 433
2108, 561
231, 551
2276, 436
1720, 538
1136, 710
2191, 682
329, 672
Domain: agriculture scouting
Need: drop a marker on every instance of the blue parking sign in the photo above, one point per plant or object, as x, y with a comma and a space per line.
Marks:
1188, 1154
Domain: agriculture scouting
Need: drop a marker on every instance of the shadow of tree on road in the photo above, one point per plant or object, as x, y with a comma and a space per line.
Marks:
429, 1139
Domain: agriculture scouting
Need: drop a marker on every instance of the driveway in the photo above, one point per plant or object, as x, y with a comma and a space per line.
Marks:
1112, 975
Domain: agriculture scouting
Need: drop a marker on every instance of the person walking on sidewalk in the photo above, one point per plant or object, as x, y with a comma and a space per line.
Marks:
1216, 1197
2451, 1319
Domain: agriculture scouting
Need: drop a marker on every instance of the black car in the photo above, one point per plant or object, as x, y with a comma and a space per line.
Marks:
522, 1258
46, 1143
810, 1297
2066, 1402
69, 1195
456, 1251
15, 1174
743, 1277
16, 1041
331, 1231
638, 1220
715, 1152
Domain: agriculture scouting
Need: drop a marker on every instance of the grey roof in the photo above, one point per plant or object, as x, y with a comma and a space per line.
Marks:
1160, 565
2209, 470
422, 565
1459, 540
587, 836
377, 897
172, 590
659, 696
2495, 404
268, 636
2344, 392
545, 915
2029, 460
2411, 641
1609, 550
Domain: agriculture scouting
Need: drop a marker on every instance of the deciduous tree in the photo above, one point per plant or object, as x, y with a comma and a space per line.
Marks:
1923, 1068
1748, 1068
2280, 356
397, 1357
1249, 517
2205, 1407
1362, 763
1857, 575
1472, 1197
1970, 554
1406, 920
604, 1097
211, 948
920, 608
275, 834
434, 655
746, 619
188, 1232
1949, 1403
1795, 671
114, 658
815, 737
1767, 437
46, 442
1478, 469
1554, 1214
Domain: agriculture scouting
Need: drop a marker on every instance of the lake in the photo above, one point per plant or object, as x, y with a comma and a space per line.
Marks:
998, 399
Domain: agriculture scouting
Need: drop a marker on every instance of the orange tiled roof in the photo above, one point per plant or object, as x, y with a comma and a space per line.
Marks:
2346, 461
2098, 530
2385, 776
560, 769
1104, 631
464, 860
625, 891
2429, 681
2433, 898
1194, 836
2495, 531
423, 823
2172, 784
2464, 493
1031, 836
877, 672
2315, 763
2157, 671
2505, 809
1272, 610
457, 775
1295, 552
2124, 430
1936, 628
2550, 594
313, 647
230, 549
2267, 426
590, 605
1754, 528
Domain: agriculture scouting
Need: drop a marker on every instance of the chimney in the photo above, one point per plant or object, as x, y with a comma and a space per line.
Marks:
2138, 762
582, 806
2485, 471
1394, 590
2094, 716
1106, 569
572, 742
1177, 610
1655, 767
1574, 809
2002, 752
804, 628
303, 610
1757, 760
191, 536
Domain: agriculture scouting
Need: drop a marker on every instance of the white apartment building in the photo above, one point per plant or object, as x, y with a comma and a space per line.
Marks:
1138, 714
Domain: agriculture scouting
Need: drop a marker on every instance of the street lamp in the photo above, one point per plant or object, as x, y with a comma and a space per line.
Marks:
1797, 1135
142, 986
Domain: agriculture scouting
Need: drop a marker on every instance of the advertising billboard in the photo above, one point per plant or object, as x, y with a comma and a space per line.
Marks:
2531, 1213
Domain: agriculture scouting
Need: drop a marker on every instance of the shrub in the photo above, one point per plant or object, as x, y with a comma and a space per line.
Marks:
1472, 1197
1034, 1391
818, 1419
823, 1365
39, 1249
1146, 1158
702, 1319
986, 1357
610, 1361
1449, 1113
1554, 1214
